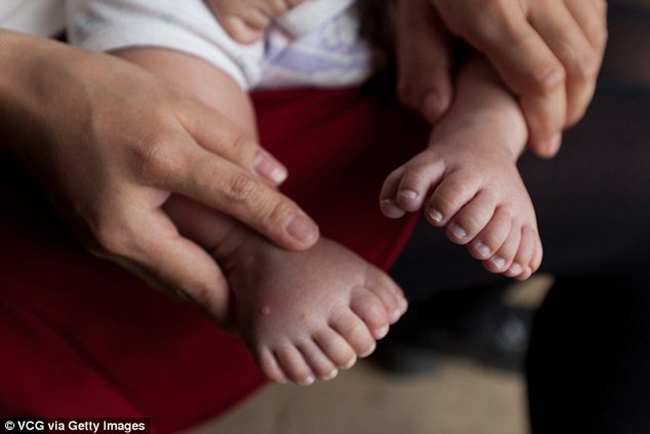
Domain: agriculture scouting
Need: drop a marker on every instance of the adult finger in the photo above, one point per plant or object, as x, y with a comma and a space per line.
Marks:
217, 134
216, 182
150, 246
527, 65
424, 57
557, 26
591, 16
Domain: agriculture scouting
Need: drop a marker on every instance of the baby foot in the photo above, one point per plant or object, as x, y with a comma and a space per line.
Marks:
305, 315
477, 194
245, 20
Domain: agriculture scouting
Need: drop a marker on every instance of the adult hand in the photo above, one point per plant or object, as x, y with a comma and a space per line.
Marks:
547, 52
109, 143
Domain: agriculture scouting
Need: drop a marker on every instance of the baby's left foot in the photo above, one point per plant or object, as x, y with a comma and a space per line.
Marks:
476, 192
245, 20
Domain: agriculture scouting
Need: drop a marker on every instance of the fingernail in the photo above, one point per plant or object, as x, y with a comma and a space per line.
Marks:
499, 262
458, 231
351, 363
483, 250
391, 210
409, 194
382, 332
332, 375
435, 215
403, 305
302, 228
268, 167
516, 269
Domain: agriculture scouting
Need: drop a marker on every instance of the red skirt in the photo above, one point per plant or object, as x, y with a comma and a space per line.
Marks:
80, 337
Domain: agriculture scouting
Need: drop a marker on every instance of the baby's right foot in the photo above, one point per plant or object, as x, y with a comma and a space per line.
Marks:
245, 20
304, 315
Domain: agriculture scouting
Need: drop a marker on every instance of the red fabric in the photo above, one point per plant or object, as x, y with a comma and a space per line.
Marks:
82, 338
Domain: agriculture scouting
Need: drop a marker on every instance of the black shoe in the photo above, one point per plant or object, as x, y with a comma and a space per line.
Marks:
490, 333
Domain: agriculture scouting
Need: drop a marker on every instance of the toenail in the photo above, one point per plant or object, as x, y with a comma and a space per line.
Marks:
435, 215
409, 194
382, 332
332, 375
458, 231
351, 363
307, 381
483, 250
516, 269
499, 262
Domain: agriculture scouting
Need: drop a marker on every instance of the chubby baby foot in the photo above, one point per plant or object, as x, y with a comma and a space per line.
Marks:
476, 194
306, 315
245, 20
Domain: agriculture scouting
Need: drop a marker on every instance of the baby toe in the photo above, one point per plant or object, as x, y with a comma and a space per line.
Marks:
472, 218
390, 209
370, 309
536, 261
336, 348
270, 366
387, 202
355, 332
453, 192
500, 262
518, 268
294, 365
319, 363
492, 237
412, 190
388, 292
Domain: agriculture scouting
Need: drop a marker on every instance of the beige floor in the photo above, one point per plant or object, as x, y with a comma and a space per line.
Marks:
458, 398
